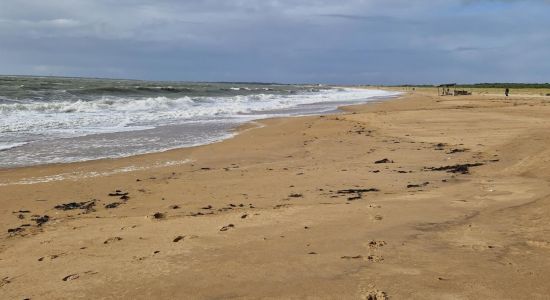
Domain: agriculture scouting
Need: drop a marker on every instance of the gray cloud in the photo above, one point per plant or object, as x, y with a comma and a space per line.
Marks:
354, 41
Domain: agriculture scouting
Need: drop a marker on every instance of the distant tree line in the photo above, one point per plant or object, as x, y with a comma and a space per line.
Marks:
493, 85
508, 85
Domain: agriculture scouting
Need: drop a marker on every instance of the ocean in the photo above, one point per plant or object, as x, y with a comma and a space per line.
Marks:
59, 120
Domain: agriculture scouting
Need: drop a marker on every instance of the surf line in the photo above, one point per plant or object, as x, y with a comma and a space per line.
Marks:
75, 176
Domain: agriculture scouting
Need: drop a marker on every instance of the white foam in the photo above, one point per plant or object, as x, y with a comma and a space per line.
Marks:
75, 176
108, 114
6, 146
57, 123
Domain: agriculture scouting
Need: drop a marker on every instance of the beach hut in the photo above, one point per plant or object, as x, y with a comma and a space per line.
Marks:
445, 89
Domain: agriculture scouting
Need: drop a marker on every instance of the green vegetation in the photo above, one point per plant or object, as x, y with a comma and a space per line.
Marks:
507, 85
488, 85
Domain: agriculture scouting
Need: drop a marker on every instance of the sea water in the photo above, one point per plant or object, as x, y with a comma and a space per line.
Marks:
58, 120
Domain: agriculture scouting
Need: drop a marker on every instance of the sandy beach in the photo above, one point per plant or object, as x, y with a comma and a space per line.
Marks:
420, 197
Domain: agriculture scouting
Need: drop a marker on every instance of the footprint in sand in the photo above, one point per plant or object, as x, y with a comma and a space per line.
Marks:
75, 276
140, 258
179, 238
377, 218
352, 257
4, 281
373, 294
51, 257
71, 277
112, 240
376, 244
374, 258
225, 228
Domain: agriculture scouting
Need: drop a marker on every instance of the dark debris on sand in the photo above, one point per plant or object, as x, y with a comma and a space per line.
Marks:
356, 194
352, 257
440, 146
196, 214
353, 191
417, 185
459, 168
16, 230
384, 161
457, 150
118, 193
87, 206
112, 205
159, 216
41, 220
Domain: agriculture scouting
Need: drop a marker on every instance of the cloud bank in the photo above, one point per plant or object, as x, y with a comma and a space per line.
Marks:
354, 41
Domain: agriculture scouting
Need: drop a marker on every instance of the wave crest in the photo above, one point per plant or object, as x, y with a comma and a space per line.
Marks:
112, 114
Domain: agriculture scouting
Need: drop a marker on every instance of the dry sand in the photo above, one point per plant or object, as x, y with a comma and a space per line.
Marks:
267, 215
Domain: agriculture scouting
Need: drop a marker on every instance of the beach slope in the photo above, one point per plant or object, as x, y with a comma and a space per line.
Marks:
421, 197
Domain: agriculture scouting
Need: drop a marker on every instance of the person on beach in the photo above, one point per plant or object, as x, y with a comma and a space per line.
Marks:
507, 92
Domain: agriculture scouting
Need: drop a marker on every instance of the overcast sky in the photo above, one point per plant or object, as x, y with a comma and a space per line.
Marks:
337, 41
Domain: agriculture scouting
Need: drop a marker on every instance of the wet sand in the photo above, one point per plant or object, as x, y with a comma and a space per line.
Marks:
421, 197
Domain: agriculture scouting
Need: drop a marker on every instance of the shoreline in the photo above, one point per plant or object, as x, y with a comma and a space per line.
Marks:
234, 132
412, 197
215, 134
101, 128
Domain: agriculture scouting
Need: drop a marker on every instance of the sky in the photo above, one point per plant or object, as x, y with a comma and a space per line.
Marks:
285, 41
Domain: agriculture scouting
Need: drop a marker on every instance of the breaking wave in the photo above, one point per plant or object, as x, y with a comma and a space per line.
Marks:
122, 113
